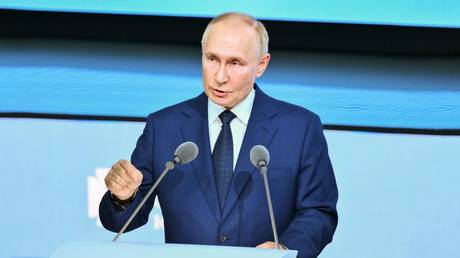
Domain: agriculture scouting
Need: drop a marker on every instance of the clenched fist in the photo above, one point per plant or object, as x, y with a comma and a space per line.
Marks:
123, 179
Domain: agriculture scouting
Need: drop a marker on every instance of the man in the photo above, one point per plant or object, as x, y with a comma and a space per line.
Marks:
219, 198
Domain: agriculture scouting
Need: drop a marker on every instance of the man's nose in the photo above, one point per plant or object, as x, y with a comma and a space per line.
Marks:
222, 74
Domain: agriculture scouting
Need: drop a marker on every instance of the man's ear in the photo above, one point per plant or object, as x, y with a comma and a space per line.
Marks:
263, 65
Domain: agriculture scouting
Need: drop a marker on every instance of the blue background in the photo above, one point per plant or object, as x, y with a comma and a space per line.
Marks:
400, 201
441, 13
127, 79
398, 192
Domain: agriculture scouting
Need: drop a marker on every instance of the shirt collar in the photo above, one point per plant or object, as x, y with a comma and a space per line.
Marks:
242, 110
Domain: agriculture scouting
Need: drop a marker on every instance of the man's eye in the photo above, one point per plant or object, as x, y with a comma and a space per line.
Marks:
211, 58
236, 62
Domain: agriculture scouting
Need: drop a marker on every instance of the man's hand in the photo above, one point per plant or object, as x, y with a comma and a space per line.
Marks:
270, 244
123, 179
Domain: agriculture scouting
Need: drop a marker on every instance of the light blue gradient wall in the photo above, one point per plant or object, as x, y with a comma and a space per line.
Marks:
97, 78
398, 193
442, 13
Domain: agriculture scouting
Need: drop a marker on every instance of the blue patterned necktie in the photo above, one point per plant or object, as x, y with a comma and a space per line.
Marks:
223, 157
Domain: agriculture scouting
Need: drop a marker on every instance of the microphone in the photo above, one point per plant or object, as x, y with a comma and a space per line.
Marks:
185, 153
260, 157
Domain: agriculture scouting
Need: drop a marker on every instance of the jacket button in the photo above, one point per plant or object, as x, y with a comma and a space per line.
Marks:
223, 238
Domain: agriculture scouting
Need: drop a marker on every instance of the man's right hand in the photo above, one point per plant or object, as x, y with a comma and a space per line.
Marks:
123, 179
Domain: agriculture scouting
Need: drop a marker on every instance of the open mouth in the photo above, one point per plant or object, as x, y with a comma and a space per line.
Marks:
220, 93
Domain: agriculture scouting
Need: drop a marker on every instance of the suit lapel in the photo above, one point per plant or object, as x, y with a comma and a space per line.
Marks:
260, 130
194, 126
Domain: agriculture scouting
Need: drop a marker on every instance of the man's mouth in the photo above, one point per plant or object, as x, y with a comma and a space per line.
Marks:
220, 93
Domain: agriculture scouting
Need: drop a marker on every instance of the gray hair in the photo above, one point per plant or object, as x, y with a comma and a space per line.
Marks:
247, 19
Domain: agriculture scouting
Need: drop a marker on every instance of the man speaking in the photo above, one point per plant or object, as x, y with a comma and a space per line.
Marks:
219, 198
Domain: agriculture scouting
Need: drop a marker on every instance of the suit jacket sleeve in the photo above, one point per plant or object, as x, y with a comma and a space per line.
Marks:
113, 218
315, 219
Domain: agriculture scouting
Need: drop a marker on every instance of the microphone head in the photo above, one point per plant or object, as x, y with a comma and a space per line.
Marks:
186, 152
259, 156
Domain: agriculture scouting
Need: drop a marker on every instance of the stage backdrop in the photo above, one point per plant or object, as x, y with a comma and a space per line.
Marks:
398, 192
434, 13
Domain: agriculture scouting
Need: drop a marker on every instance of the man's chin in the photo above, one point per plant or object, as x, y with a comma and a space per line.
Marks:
220, 101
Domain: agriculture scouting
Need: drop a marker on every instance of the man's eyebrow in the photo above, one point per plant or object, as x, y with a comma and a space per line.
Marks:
210, 53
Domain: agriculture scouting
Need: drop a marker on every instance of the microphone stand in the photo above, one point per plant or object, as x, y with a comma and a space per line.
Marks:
263, 171
168, 166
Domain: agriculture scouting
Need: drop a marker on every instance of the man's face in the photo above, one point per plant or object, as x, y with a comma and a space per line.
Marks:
231, 62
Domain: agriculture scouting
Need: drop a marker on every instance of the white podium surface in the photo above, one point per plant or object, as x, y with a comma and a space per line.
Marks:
146, 250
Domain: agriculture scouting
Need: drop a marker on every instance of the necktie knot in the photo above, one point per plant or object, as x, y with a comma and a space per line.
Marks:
226, 117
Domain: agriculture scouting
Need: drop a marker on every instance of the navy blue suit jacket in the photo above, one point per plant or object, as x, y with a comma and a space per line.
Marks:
301, 179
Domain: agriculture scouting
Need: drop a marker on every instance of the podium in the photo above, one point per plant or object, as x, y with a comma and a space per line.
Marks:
144, 250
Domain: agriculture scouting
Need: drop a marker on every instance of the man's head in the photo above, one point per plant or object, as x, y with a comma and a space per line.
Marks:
235, 53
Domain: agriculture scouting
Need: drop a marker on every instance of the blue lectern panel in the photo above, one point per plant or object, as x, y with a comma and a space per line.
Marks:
138, 250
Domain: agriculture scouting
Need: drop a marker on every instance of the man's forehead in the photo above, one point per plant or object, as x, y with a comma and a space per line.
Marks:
227, 51
232, 35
